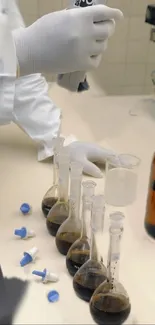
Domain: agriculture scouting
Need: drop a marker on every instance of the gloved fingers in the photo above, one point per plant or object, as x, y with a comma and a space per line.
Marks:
103, 13
104, 30
99, 48
91, 169
99, 154
95, 61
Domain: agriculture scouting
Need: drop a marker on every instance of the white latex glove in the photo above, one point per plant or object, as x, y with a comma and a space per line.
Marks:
65, 41
88, 154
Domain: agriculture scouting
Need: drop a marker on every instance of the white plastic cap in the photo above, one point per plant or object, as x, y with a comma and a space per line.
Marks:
33, 252
51, 277
31, 233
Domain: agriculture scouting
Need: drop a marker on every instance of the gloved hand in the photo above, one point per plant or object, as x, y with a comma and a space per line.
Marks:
88, 154
65, 41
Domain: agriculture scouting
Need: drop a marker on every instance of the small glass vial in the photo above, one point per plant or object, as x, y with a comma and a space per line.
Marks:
110, 303
79, 252
51, 196
60, 211
70, 230
92, 273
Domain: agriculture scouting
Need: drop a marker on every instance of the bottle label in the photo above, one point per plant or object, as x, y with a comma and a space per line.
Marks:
84, 3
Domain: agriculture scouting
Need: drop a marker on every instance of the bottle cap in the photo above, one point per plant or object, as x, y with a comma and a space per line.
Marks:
33, 252
46, 276
39, 273
53, 296
26, 259
21, 232
25, 208
29, 256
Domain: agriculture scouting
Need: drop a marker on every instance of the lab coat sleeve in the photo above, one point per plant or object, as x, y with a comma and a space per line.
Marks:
7, 90
36, 114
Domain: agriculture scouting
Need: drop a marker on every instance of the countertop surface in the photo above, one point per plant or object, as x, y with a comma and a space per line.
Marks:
106, 121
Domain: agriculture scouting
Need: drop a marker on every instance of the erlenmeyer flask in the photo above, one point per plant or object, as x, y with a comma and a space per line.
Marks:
70, 230
51, 196
110, 303
79, 252
60, 211
93, 272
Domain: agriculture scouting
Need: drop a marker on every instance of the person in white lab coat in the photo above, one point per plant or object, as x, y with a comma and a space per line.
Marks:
60, 42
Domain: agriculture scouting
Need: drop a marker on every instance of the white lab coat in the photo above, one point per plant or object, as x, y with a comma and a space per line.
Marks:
27, 102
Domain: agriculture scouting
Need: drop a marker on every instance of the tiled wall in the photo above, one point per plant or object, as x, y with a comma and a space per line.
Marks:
130, 57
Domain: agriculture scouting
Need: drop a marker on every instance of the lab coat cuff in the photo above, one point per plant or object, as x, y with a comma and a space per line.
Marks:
46, 150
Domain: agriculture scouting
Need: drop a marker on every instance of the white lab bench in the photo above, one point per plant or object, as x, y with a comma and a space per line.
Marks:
106, 121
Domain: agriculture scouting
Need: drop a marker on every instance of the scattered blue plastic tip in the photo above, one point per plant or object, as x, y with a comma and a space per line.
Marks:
25, 208
41, 274
53, 296
22, 233
26, 259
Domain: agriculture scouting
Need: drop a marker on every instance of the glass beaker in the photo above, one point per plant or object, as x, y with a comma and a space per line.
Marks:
79, 252
110, 303
92, 273
60, 211
51, 196
70, 230
149, 221
121, 179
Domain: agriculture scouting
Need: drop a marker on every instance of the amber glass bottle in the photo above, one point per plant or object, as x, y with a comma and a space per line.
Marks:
150, 207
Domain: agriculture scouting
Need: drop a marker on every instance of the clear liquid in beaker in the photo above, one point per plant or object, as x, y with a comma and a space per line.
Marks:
121, 186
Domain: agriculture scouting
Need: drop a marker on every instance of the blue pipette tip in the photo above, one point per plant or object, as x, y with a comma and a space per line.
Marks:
53, 296
41, 274
22, 233
25, 208
27, 258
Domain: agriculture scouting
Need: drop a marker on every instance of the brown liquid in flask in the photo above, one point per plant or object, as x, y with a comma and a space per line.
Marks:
47, 204
149, 222
70, 230
51, 196
77, 255
110, 303
79, 252
92, 273
60, 211
57, 215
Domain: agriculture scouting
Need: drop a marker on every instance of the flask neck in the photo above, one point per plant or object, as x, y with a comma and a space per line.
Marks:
55, 170
94, 254
97, 228
86, 219
75, 197
114, 255
63, 181
73, 210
